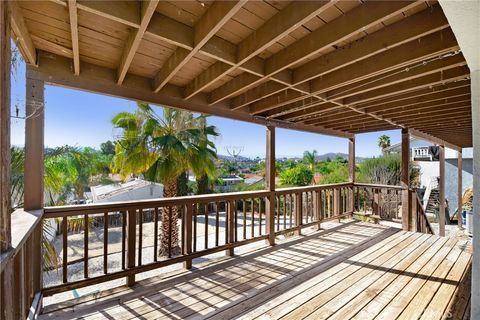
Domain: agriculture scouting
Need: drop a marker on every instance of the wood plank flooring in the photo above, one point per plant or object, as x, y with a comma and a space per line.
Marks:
353, 271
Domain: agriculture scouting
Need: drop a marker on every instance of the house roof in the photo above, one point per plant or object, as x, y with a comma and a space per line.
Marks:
101, 192
331, 67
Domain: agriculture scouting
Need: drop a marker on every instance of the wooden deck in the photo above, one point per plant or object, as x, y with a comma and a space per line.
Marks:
351, 271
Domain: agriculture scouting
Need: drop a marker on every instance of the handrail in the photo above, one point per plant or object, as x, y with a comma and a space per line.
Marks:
379, 186
423, 219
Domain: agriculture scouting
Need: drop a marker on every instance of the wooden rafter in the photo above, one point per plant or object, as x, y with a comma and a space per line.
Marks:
280, 25
215, 17
352, 22
135, 37
21, 34
72, 12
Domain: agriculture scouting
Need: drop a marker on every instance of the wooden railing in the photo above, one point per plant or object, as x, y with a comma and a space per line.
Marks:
383, 201
421, 223
20, 269
206, 224
102, 242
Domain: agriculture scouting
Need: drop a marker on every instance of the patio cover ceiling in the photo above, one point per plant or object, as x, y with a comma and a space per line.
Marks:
332, 67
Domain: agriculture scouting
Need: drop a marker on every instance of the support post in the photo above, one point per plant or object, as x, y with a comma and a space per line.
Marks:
131, 237
441, 187
351, 173
475, 89
34, 131
270, 184
34, 167
405, 180
5, 57
459, 188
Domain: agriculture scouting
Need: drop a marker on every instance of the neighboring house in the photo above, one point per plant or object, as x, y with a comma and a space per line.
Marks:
228, 183
137, 189
253, 179
422, 155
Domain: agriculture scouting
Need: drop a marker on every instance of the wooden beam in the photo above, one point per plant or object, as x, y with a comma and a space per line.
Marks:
277, 27
429, 99
215, 17
461, 73
276, 100
34, 143
336, 31
261, 91
405, 30
410, 72
425, 136
441, 190
401, 56
54, 70
72, 12
459, 188
5, 107
405, 180
133, 42
21, 35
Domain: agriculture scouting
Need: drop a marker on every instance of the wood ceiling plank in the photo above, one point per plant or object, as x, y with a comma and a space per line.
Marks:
126, 12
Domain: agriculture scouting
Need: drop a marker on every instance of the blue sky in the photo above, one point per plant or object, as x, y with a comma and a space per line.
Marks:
83, 119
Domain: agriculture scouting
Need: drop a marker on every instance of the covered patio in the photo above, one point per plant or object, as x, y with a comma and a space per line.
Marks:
337, 68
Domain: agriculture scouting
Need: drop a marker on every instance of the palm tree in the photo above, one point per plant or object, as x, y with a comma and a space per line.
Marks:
383, 142
162, 148
310, 159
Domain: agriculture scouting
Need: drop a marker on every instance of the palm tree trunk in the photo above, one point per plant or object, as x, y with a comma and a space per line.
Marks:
170, 190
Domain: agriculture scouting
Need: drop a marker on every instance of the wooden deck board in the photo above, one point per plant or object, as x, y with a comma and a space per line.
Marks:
355, 270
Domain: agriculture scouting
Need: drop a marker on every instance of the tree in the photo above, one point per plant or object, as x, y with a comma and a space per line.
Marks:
162, 148
107, 148
300, 175
383, 142
310, 159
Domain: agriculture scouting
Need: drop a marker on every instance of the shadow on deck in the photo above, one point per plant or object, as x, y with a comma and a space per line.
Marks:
354, 270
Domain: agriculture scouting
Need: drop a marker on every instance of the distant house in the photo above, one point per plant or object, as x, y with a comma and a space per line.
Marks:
137, 189
253, 179
228, 183
423, 153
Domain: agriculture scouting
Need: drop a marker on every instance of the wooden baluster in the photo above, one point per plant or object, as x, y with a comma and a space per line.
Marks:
236, 220
131, 239
170, 231
217, 223
244, 219
252, 203
85, 245
278, 212
298, 213
188, 235
124, 238
181, 209
206, 226
140, 235
155, 234
64, 248
227, 221
105, 242
194, 213
259, 216
290, 205
284, 211
231, 226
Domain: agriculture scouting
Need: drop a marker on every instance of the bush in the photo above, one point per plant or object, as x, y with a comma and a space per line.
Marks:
300, 175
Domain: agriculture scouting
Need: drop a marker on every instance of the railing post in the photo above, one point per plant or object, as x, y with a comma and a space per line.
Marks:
131, 236
298, 213
414, 211
231, 226
405, 180
376, 202
270, 185
351, 173
441, 189
336, 202
188, 235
